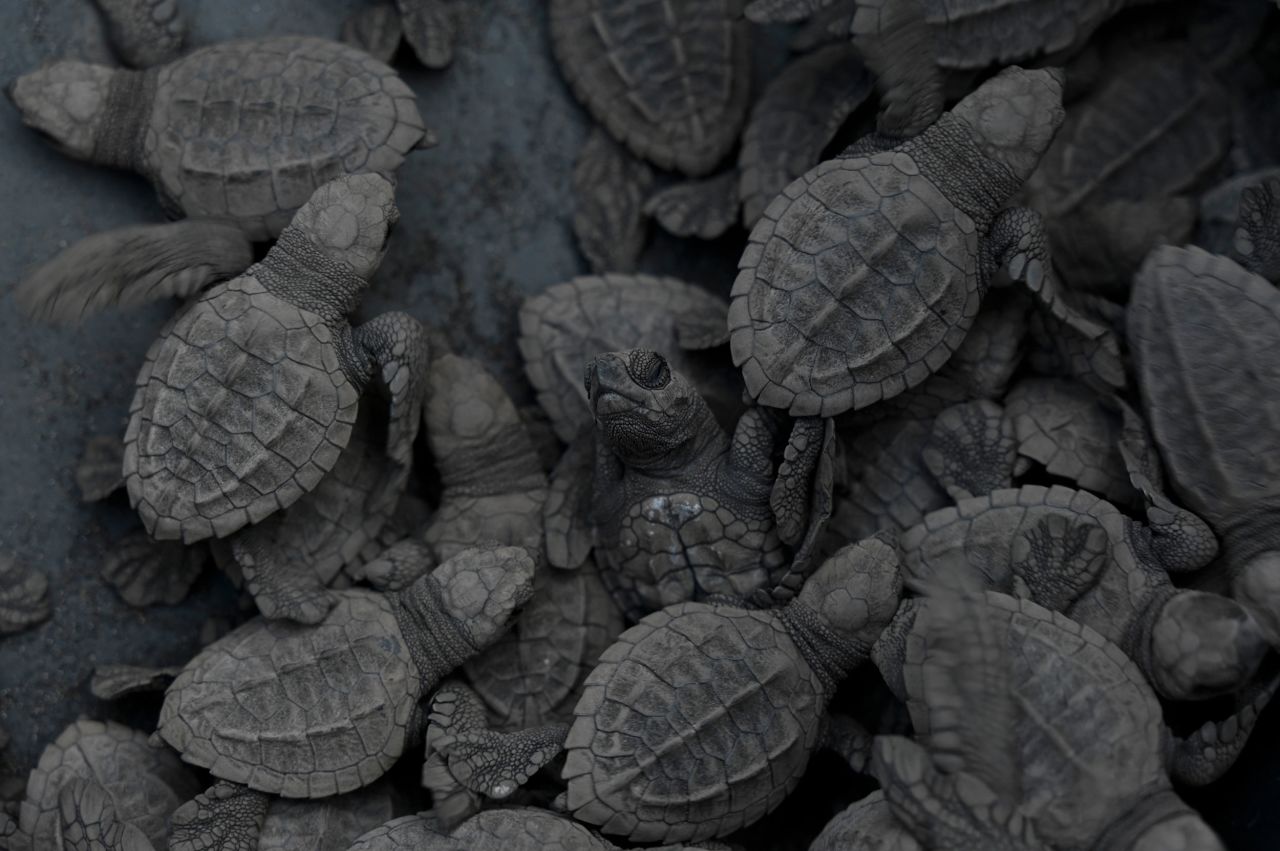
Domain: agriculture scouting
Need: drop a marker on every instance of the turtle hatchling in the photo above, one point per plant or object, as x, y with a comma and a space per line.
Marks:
235, 136
701, 719
1019, 713
248, 397
680, 509
864, 275
307, 711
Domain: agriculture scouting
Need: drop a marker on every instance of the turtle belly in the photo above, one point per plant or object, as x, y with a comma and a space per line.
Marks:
247, 130
697, 722
241, 409
859, 282
295, 710
677, 547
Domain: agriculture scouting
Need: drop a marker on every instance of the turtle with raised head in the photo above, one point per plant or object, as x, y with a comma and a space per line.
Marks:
688, 116
235, 137
864, 275
1018, 712
701, 719
1074, 553
677, 508
358, 676
250, 394
1202, 330
144, 785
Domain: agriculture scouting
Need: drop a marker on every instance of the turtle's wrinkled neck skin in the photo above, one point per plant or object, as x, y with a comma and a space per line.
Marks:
947, 154
296, 270
1159, 822
832, 656
125, 115
438, 642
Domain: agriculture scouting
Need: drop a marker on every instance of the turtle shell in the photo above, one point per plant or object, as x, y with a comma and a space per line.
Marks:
146, 784
247, 130
299, 711
668, 78
1203, 335
419, 832
696, 722
564, 327
241, 407
526, 829
858, 282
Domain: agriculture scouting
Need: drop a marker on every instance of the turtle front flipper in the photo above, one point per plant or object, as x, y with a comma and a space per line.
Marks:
1017, 246
282, 587
399, 347
705, 208
429, 29
1207, 754
89, 821
225, 817
972, 449
847, 739
100, 471
895, 40
145, 32
375, 28
133, 266
566, 514
936, 808
802, 499
1257, 238
466, 759
111, 682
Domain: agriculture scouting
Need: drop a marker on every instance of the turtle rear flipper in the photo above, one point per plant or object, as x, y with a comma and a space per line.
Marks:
144, 32
1257, 239
972, 450
429, 29
705, 208
897, 44
399, 347
609, 189
567, 510
134, 266
89, 822
281, 587
100, 472
375, 28
1207, 754
225, 817
110, 682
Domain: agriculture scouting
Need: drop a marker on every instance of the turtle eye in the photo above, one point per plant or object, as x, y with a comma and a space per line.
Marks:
649, 369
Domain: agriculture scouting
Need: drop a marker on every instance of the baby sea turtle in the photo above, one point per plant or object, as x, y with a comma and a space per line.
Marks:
338, 697
569, 323
24, 596
236, 135
248, 397
467, 761
864, 275
701, 719
1202, 331
1019, 711
609, 189
144, 32
679, 508
1074, 553
687, 116
427, 25
145, 785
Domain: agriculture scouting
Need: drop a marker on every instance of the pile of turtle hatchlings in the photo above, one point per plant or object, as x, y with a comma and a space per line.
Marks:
972, 519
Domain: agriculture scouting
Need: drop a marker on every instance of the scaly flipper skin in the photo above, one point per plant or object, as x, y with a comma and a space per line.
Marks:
609, 190
700, 719
1257, 239
281, 587
1202, 332
1207, 754
898, 46
866, 825
225, 817
971, 449
145, 32
466, 759
429, 29
704, 208
98, 473
146, 572
134, 266
375, 28
686, 118
88, 821
863, 277
24, 596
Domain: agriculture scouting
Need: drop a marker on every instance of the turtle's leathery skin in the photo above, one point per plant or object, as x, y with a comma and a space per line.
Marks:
247, 399
862, 278
225, 817
1075, 553
221, 132
971, 449
609, 189
88, 821
1202, 332
110, 682
375, 28
704, 208
145, 572
1257, 239
700, 719
98, 472
145, 784
980, 34
145, 32
667, 79
344, 690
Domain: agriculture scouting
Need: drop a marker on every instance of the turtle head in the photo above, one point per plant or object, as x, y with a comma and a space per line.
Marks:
644, 411
349, 219
1202, 645
483, 588
857, 590
66, 102
1257, 587
1014, 116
